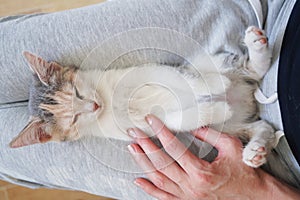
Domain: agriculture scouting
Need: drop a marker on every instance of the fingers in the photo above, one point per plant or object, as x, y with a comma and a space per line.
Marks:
208, 135
226, 145
159, 180
152, 190
161, 161
173, 146
170, 179
141, 158
179, 173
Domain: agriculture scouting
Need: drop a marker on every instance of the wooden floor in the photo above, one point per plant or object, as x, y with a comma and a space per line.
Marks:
15, 7
12, 192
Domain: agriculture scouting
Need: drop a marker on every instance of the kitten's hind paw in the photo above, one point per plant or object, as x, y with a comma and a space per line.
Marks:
255, 39
254, 154
259, 53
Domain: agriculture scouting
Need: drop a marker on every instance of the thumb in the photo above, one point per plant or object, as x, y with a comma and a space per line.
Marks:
208, 135
222, 142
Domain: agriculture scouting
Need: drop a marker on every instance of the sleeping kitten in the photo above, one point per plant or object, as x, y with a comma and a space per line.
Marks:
67, 103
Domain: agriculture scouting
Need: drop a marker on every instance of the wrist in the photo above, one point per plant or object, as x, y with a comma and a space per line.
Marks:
274, 189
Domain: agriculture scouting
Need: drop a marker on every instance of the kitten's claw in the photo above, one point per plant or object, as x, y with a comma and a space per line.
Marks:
259, 53
255, 38
255, 154
205, 126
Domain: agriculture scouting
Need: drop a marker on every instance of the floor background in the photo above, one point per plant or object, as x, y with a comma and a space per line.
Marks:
15, 7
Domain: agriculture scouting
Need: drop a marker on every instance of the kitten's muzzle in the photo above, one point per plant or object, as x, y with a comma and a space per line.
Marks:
86, 106
96, 107
92, 106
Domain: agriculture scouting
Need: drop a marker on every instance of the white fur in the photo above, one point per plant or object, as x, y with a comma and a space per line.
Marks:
128, 95
183, 99
259, 54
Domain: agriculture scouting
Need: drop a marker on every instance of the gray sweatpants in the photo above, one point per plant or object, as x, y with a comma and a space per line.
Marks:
103, 166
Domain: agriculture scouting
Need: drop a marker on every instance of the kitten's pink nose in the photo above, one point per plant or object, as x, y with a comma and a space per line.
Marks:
95, 106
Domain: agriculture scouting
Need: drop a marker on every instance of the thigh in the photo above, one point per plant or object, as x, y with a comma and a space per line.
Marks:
69, 36
283, 165
281, 162
88, 165
98, 165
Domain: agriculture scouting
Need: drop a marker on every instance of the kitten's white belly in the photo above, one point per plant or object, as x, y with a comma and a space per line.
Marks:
177, 99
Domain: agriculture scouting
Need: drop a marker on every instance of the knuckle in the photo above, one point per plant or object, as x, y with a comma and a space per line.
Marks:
196, 194
230, 142
164, 197
180, 179
199, 177
203, 179
164, 134
171, 145
159, 162
159, 181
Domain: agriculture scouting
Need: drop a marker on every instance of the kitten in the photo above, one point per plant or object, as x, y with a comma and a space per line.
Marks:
67, 103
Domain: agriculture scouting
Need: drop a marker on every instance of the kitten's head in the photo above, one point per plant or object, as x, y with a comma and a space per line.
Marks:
60, 103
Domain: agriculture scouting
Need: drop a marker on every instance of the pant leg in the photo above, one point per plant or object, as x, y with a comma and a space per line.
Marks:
283, 165
97, 165
68, 37
281, 162
78, 166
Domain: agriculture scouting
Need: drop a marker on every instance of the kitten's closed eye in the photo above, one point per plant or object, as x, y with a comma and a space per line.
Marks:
77, 94
75, 118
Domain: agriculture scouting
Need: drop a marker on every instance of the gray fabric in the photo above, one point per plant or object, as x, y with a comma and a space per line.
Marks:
281, 160
275, 26
96, 165
68, 37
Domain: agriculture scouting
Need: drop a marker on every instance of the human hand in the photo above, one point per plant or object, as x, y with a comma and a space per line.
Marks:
178, 174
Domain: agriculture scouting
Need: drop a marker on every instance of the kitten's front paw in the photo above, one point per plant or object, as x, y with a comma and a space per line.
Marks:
254, 154
255, 38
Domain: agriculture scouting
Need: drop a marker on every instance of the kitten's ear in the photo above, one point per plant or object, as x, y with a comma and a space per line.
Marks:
33, 133
44, 70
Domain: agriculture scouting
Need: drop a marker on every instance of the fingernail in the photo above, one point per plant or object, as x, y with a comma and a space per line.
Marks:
137, 183
154, 122
148, 119
131, 149
200, 130
204, 128
131, 132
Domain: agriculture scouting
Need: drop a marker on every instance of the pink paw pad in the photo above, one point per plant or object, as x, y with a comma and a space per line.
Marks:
260, 35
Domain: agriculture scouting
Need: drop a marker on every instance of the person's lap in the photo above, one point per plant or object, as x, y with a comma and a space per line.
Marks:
95, 165
281, 160
68, 37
